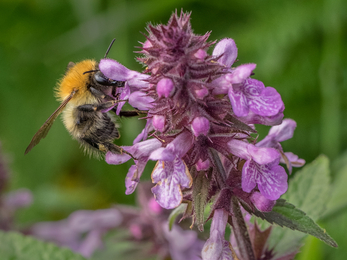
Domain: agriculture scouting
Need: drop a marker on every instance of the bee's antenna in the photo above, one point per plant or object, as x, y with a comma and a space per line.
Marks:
90, 71
109, 47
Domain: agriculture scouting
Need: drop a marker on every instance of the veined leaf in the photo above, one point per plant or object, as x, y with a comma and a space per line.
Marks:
287, 215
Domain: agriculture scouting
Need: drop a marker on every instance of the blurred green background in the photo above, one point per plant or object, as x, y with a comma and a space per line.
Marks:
298, 46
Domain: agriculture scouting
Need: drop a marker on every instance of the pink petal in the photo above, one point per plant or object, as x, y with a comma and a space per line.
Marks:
263, 204
249, 175
116, 159
238, 101
228, 48
114, 70
283, 131
140, 100
263, 155
272, 182
240, 73
168, 193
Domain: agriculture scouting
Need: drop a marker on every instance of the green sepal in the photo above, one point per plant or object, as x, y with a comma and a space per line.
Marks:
200, 195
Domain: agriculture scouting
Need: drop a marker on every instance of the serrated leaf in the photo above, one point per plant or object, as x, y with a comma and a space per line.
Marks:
16, 246
175, 213
287, 215
310, 189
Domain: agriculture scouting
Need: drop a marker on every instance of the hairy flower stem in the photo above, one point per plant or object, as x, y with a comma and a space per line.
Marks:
221, 175
239, 225
241, 232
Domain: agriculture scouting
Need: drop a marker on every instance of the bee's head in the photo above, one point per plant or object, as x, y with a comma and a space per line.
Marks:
103, 80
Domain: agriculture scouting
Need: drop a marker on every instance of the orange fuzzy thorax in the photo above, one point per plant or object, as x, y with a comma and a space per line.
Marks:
74, 79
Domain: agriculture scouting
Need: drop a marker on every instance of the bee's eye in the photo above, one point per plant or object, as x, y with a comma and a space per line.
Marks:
101, 79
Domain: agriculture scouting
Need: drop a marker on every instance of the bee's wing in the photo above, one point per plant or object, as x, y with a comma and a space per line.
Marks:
47, 125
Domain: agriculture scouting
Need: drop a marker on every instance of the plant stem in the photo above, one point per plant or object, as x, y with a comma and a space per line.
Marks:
241, 232
239, 225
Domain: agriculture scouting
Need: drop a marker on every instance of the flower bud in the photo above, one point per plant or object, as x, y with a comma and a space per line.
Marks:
200, 54
165, 87
158, 122
147, 44
202, 165
200, 125
201, 93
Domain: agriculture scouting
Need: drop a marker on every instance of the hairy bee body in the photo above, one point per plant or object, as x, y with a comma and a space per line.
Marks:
83, 106
95, 130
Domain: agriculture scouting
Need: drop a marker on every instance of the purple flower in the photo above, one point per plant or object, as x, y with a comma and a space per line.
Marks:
18, 199
170, 177
249, 98
171, 173
114, 70
293, 159
141, 151
140, 100
279, 134
227, 51
188, 106
216, 247
183, 244
263, 204
261, 168
253, 96
81, 231
271, 179
133, 82
201, 112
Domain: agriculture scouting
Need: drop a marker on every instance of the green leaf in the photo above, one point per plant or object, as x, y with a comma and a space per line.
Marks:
15, 246
337, 200
175, 213
310, 189
287, 215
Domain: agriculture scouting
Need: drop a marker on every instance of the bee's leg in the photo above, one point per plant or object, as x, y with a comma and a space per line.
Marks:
105, 147
93, 144
97, 93
98, 107
132, 113
117, 149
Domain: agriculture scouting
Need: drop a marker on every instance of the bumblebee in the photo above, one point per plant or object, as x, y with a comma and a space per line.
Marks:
84, 107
